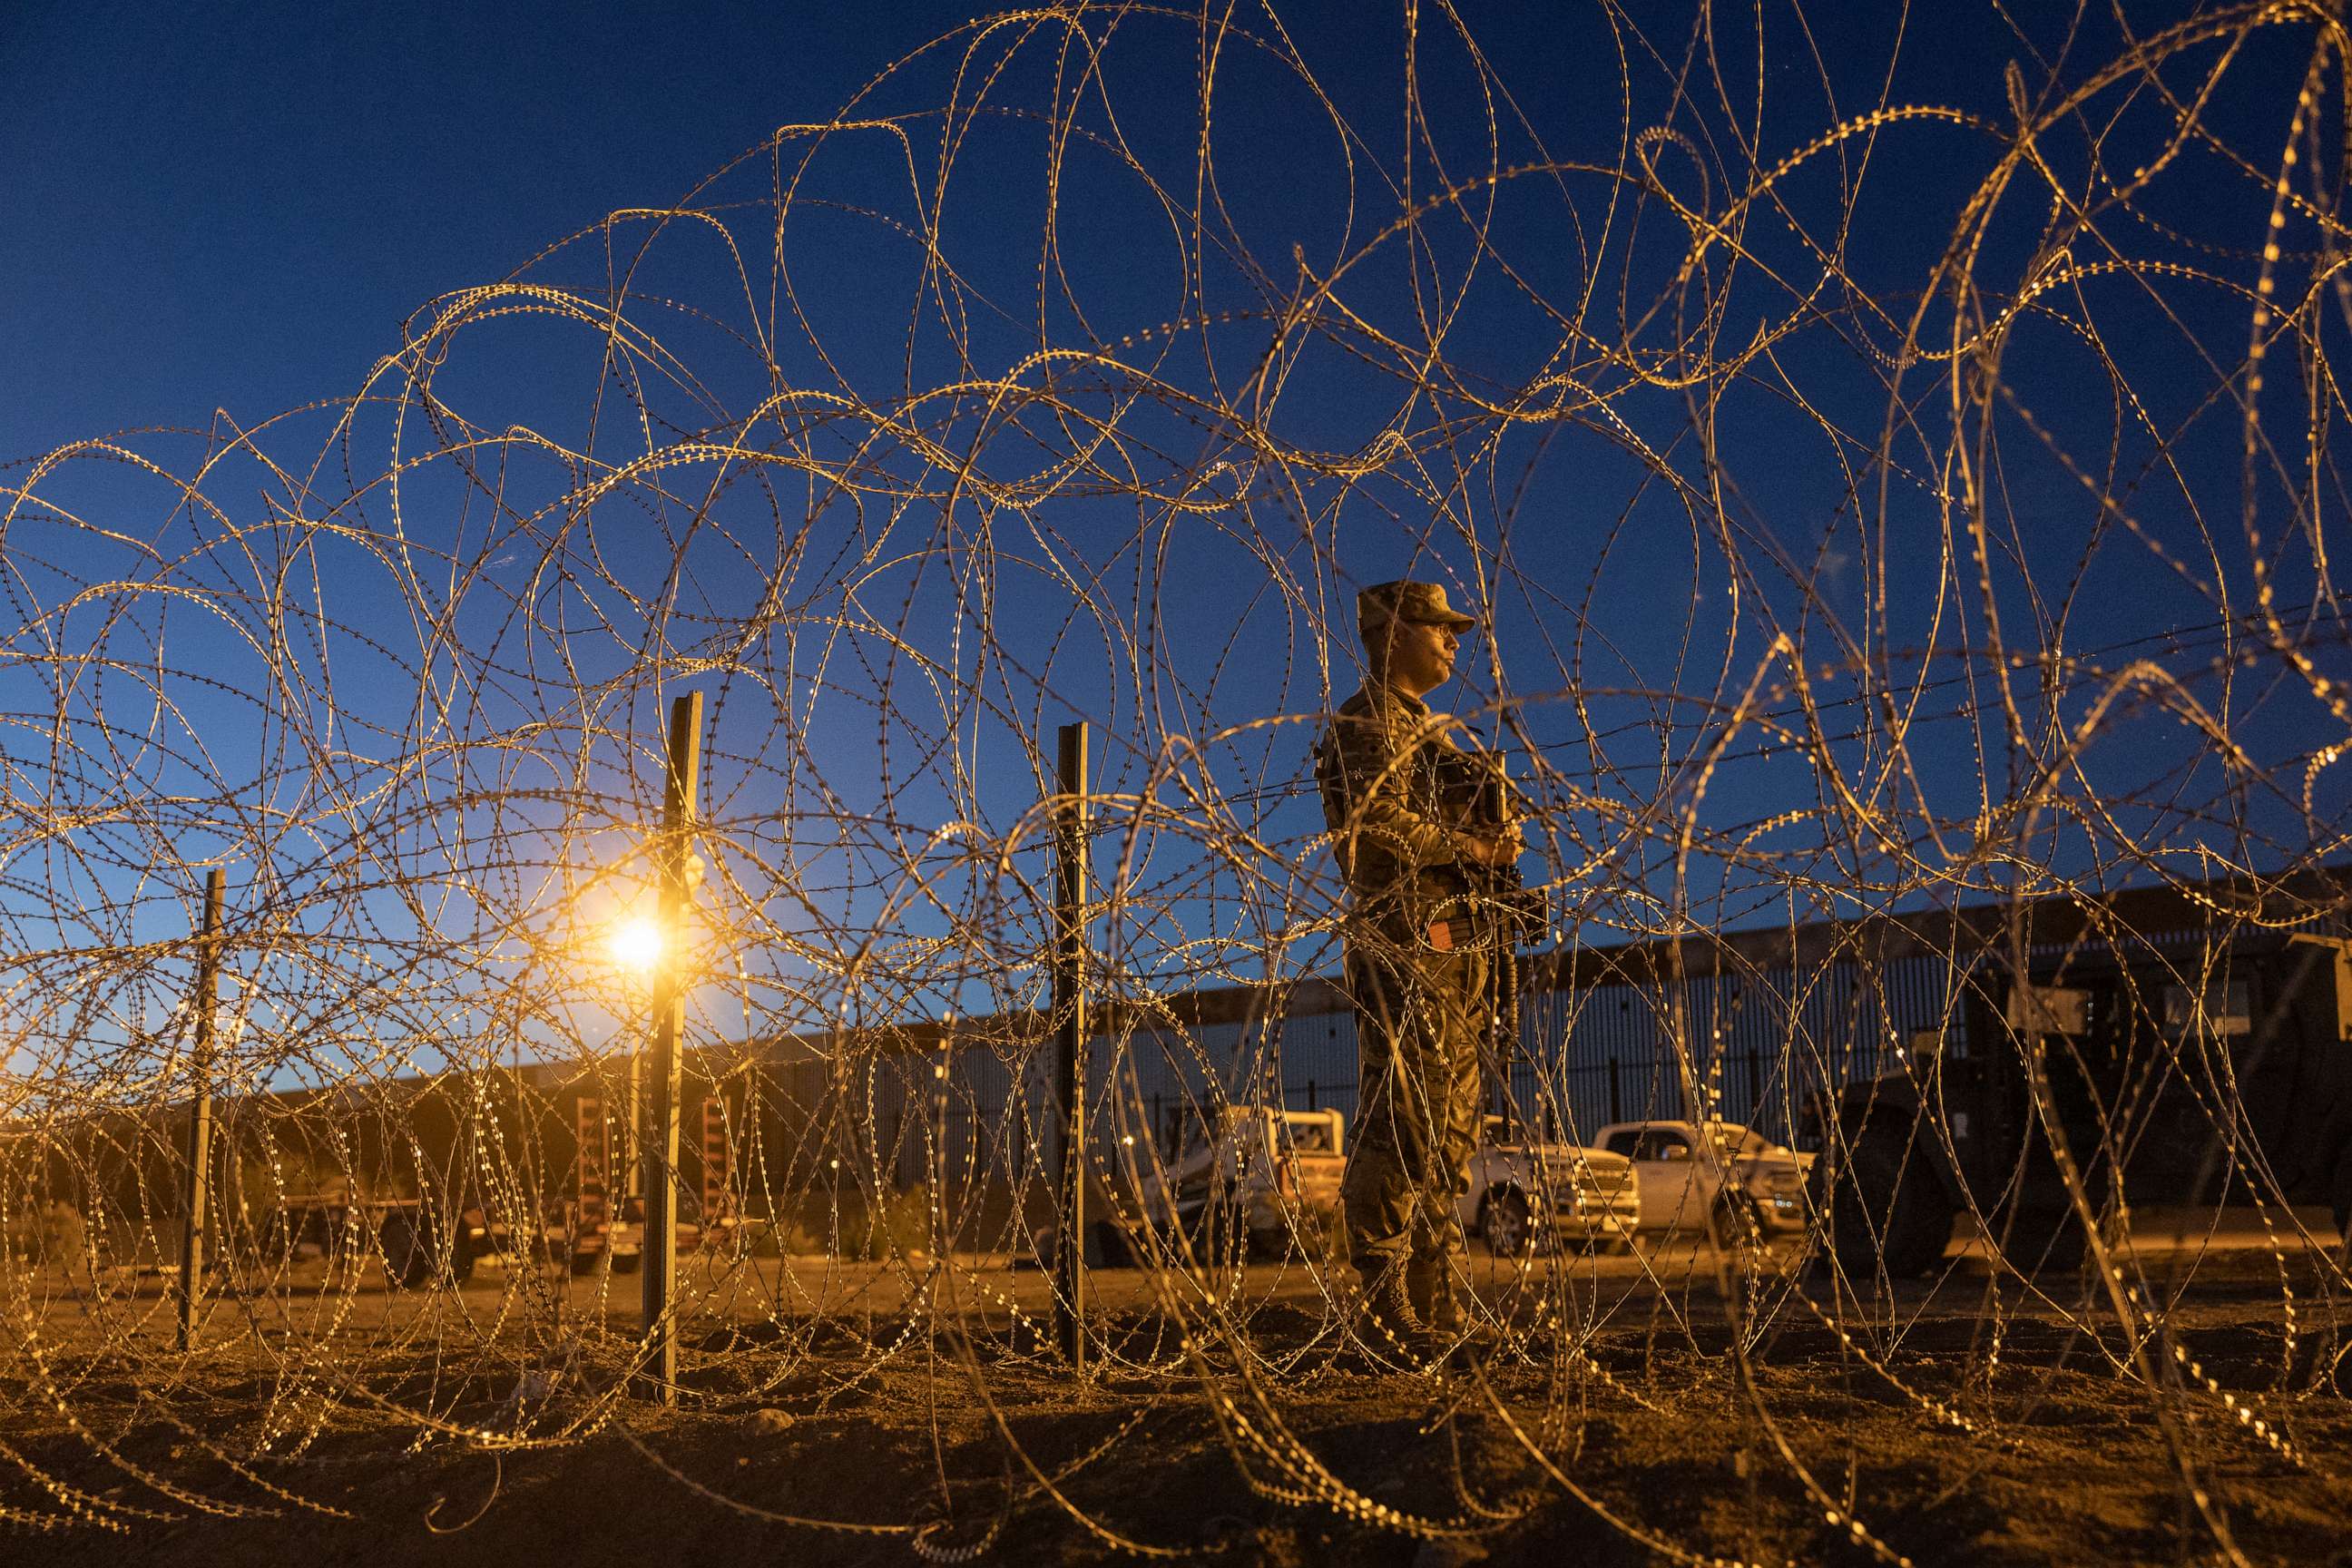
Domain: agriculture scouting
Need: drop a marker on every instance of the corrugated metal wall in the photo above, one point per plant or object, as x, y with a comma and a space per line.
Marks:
1749, 1046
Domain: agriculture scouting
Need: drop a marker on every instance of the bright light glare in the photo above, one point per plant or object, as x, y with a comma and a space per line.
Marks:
637, 944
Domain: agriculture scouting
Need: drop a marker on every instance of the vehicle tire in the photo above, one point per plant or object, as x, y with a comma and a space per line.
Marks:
1503, 1223
407, 1243
2042, 1239
583, 1260
2341, 1194
1110, 1246
1735, 1221
1888, 1210
1218, 1235
628, 1262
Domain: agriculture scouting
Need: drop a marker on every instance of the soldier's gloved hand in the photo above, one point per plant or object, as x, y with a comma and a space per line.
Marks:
1498, 850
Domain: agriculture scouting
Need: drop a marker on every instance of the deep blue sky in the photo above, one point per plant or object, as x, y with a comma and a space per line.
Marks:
236, 207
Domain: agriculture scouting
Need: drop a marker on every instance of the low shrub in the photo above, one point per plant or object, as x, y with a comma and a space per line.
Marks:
50, 1232
855, 1225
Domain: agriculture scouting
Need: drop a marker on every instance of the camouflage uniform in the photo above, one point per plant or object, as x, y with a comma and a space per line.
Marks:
1423, 1001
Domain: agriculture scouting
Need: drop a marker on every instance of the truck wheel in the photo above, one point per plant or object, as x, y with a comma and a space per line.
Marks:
1887, 1210
2042, 1239
1734, 1221
1221, 1235
1503, 1222
408, 1260
2343, 1194
1275, 1246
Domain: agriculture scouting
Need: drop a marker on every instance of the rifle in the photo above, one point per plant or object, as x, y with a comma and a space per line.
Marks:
1501, 908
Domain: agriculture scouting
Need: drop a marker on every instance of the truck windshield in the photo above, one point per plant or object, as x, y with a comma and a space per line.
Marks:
1311, 1136
1734, 1139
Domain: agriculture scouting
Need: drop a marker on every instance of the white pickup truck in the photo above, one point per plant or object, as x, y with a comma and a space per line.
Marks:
1748, 1183
1524, 1193
1256, 1176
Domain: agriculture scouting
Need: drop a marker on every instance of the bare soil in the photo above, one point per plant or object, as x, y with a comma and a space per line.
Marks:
868, 1434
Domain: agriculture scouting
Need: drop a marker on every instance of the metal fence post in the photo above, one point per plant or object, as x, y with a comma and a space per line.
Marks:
660, 1265
1069, 1045
200, 1113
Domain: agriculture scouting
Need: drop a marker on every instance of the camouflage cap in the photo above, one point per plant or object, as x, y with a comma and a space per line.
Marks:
1385, 602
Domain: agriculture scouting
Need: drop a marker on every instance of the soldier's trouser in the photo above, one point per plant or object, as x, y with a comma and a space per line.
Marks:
1420, 1019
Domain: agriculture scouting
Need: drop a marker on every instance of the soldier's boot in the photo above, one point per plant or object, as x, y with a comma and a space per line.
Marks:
1425, 1285
1437, 1298
1392, 1330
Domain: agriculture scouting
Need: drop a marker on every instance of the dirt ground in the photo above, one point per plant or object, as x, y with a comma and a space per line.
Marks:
855, 1414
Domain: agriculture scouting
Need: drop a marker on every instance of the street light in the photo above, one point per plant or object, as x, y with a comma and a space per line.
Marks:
637, 945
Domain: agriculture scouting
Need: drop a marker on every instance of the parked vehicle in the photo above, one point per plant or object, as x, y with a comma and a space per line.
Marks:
583, 1232
1714, 1178
415, 1239
1256, 1177
1524, 1193
2139, 1038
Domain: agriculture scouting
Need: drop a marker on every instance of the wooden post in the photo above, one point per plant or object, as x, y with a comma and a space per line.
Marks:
1069, 1045
659, 1144
198, 1180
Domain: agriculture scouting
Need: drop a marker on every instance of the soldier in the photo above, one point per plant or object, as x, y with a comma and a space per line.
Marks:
1420, 975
